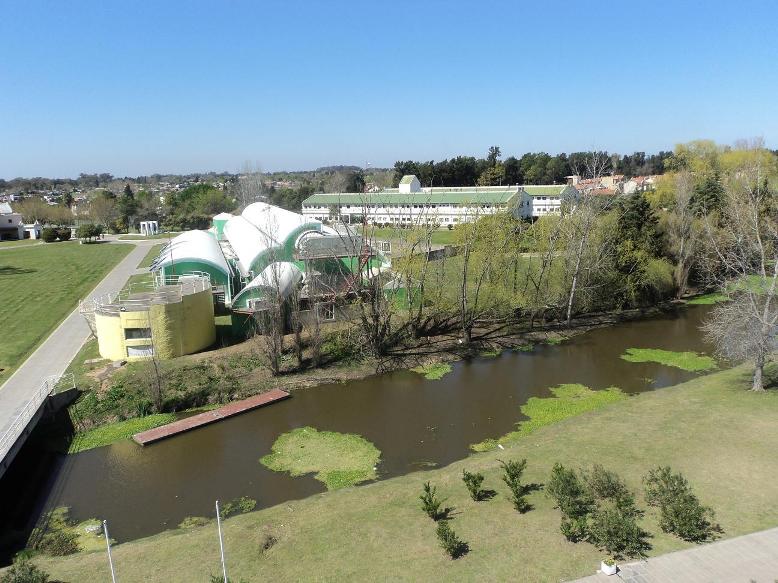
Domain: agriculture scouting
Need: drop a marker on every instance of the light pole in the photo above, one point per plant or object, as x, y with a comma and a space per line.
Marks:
221, 541
108, 545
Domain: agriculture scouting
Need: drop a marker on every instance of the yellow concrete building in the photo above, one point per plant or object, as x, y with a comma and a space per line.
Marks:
169, 319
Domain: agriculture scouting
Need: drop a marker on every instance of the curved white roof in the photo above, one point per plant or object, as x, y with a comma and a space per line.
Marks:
281, 275
195, 246
276, 223
246, 240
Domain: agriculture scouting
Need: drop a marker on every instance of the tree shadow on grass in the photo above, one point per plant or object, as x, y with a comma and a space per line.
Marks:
486, 494
8, 270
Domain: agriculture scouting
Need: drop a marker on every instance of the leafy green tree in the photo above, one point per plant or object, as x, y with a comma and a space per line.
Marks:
492, 176
494, 155
708, 194
355, 181
49, 235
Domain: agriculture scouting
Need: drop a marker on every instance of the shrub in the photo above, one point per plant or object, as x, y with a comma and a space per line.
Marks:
681, 512
617, 533
24, 571
88, 231
473, 483
63, 234
662, 486
268, 542
49, 235
574, 529
569, 493
512, 472
238, 506
430, 502
193, 521
58, 543
606, 485
450, 542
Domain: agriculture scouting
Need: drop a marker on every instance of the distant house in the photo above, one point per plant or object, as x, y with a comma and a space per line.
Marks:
11, 224
640, 184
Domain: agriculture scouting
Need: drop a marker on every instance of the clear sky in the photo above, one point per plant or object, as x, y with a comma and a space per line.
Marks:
137, 87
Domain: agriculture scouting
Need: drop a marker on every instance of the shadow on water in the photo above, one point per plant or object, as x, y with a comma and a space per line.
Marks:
30, 480
415, 423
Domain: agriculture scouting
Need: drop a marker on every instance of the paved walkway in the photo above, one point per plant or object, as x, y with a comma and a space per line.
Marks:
54, 355
752, 558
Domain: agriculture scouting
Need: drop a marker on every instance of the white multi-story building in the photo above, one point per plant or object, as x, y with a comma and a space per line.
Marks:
411, 204
11, 224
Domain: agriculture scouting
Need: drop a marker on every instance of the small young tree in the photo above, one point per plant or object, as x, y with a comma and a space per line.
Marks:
512, 472
450, 542
430, 502
473, 483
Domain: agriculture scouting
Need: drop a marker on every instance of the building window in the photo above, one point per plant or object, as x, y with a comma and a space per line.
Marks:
326, 312
137, 333
140, 350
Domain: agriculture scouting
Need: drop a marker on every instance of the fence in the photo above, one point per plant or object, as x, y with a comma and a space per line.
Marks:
50, 385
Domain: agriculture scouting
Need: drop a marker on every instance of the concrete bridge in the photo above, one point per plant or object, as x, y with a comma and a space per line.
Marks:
24, 396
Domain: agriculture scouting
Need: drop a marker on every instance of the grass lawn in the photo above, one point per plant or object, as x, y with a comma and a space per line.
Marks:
439, 237
337, 459
133, 237
40, 286
707, 299
139, 278
151, 255
691, 361
107, 434
19, 243
721, 436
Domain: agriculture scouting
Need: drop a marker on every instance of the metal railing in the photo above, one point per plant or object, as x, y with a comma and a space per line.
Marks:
50, 385
139, 296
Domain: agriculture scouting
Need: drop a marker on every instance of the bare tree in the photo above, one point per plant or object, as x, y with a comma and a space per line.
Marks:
582, 218
249, 187
742, 260
683, 231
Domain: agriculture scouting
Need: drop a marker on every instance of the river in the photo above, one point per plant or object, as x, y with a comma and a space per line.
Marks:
415, 422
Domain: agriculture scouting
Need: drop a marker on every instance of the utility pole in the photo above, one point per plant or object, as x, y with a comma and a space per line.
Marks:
221, 541
108, 544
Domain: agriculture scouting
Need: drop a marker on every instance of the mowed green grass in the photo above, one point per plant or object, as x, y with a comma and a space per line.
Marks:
151, 255
19, 243
135, 237
439, 237
40, 286
721, 436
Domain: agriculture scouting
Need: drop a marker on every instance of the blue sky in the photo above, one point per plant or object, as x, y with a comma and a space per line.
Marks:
138, 87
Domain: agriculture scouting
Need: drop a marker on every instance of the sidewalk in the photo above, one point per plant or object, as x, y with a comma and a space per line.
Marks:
746, 559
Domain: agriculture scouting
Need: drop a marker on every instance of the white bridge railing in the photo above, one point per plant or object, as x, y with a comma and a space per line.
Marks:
49, 386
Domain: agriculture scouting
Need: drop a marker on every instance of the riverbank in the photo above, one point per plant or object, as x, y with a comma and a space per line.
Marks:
712, 429
216, 377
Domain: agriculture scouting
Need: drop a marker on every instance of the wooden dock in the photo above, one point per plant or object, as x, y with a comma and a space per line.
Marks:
201, 419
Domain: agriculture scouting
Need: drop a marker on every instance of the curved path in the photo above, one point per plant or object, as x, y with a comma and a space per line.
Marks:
54, 355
